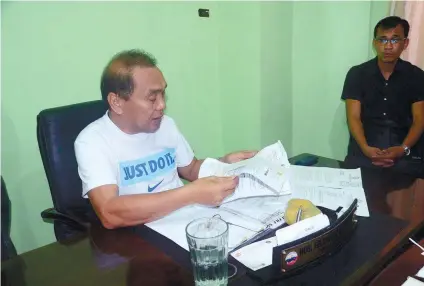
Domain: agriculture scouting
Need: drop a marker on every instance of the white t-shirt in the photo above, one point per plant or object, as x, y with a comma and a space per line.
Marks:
139, 163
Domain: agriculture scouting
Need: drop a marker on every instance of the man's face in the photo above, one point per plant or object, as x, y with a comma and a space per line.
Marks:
389, 44
145, 108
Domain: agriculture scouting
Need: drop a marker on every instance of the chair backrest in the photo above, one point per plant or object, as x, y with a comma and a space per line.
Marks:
8, 249
57, 129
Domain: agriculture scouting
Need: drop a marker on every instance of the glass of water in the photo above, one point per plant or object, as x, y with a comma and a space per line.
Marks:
208, 243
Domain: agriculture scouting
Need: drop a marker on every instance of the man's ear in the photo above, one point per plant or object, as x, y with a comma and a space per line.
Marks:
115, 102
374, 46
406, 44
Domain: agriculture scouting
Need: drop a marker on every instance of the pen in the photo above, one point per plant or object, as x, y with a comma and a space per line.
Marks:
299, 214
253, 239
262, 233
417, 278
414, 242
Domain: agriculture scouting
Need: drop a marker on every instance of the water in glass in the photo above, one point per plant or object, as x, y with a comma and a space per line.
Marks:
208, 243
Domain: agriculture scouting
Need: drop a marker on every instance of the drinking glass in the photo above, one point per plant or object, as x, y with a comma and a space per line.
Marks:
208, 244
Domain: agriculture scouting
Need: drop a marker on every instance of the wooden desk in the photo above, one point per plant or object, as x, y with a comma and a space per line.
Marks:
407, 264
143, 257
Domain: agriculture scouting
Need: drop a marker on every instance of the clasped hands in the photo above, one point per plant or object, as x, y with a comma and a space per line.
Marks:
384, 157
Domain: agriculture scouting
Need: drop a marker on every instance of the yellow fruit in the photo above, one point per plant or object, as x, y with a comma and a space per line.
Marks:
308, 210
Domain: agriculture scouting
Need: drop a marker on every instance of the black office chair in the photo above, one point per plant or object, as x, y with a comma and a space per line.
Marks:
57, 129
13, 267
8, 249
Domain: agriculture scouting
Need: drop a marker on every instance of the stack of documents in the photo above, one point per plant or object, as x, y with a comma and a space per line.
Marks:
267, 182
266, 174
256, 206
246, 218
328, 187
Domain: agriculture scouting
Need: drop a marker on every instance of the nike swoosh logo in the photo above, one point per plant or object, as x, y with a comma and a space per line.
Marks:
151, 189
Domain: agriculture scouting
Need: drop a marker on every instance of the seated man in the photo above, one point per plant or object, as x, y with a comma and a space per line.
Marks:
131, 159
385, 112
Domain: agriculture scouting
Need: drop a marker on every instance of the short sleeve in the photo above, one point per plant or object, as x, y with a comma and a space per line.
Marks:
352, 85
418, 86
94, 165
184, 153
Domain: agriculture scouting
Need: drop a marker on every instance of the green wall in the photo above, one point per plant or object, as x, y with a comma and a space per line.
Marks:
251, 74
239, 73
255, 78
276, 73
328, 38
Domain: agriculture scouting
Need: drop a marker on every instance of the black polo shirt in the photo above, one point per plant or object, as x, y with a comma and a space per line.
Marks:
385, 100
386, 112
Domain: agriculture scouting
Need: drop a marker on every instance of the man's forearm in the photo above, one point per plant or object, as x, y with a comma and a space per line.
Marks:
414, 134
357, 131
129, 210
194, 171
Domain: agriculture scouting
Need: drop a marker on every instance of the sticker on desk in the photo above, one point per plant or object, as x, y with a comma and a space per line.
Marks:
291, 258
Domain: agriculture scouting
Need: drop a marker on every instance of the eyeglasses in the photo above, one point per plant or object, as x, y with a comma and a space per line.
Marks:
393, 41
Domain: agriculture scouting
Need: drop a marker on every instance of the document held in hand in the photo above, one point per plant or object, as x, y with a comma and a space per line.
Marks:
265, 174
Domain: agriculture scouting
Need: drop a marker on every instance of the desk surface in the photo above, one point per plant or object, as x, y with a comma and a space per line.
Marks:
410, 262
140, 256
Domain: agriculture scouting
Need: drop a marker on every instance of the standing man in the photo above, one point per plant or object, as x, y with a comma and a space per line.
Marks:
385, 113
130, 160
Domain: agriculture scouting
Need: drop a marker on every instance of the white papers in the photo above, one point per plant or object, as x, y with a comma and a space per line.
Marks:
267, 210
301, 229
326, 177
412, 282
173, 225
332, 198
263, 175
275, 154
256, 204
327, 187
256, 255
267, 182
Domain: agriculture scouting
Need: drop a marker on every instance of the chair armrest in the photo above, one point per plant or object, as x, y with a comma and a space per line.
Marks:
53, 214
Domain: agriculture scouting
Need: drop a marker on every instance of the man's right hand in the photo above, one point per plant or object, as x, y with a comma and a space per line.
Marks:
212, 191
375, 155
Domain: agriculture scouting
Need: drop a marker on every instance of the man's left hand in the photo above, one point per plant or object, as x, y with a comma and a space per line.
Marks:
393, 153
237, 156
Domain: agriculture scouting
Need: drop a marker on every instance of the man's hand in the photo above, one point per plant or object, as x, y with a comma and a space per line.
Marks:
212, 191
392, 153
388, 155
371, 152
237, 156
378, 156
